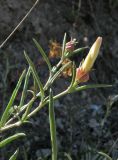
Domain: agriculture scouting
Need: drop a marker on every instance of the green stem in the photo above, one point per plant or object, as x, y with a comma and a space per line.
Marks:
21, 110
7, 127
48, 83
45, 88
46, 100
41, 105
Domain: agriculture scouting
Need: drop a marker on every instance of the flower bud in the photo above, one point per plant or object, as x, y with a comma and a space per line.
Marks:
70, 45
82, 73
92, 55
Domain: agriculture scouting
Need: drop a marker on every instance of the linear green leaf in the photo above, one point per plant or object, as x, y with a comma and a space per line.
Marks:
77, 51
35, 84
10, 139
35, 74
68, 156
81, 88
6, 113
14, 156
84, 87
105, 155
24, 92
24, 117
52, 126
63, 45
45, 57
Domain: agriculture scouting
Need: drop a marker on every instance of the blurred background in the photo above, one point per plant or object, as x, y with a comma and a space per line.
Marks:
78, 116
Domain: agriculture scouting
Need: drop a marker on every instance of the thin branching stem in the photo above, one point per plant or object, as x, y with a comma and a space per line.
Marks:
46, 101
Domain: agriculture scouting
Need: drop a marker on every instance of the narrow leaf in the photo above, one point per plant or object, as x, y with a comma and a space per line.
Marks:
84, 87
14, 156
52, 126
45, 57
24, 117
35, 74
24, 92
10, 139
77, 51
6, 113
35, 89
64, 45
105, 155
81, 88
68, 156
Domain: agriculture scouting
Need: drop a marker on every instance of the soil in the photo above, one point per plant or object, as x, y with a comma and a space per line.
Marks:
79, 116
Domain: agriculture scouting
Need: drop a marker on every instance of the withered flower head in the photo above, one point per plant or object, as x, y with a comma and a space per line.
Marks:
55, 49
68, 71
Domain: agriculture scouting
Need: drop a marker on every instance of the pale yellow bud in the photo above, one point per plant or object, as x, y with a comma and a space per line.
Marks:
92, 55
